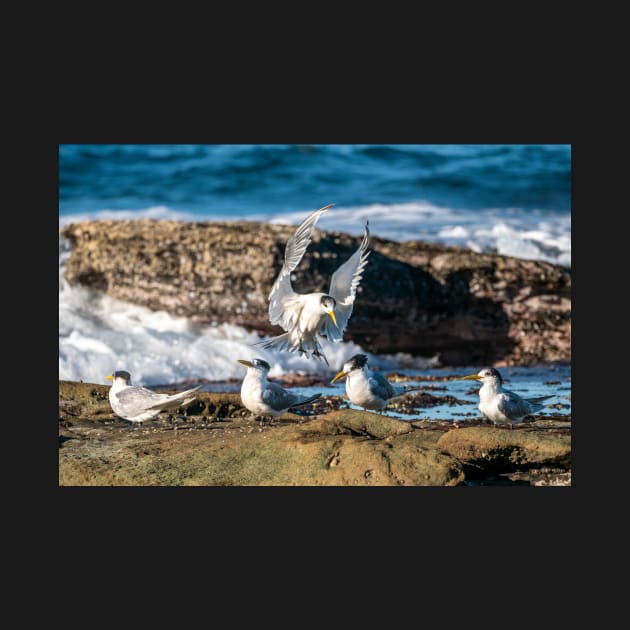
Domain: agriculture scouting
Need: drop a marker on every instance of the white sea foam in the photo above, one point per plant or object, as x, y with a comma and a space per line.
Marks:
98, 334
525, 234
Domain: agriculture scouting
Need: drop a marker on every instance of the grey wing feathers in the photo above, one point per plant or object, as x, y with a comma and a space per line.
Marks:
381, 387
278, 398
513, 406
297, 244
135, 400
343, 287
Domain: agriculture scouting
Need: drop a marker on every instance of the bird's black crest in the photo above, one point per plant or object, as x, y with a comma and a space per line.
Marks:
328, 302
496, 374
358, 361
262, 363
122, 374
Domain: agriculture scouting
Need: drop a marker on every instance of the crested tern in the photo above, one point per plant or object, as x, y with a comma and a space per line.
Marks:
137, 404
367, 389
268, 399
501, 405
304, 317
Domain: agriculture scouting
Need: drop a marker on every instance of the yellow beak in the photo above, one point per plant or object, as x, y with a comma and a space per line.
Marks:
472, 377
332, 315
338, 376
245, 363
109, 377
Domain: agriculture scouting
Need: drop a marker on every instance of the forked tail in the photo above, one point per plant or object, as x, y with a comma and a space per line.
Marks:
301, 412
412, 388
281, 342
187, 396
536, 403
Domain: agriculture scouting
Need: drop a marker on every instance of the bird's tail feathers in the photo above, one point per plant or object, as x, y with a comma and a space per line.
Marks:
185, 396
301, 412
536, 403
412, 388
281, 342
186, 401
178, 400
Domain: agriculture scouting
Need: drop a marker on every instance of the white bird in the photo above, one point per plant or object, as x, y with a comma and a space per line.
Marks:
501, 405
367, 389
268, 399
304, 317
137, 404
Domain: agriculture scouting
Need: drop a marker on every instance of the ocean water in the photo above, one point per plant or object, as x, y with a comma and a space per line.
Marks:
510, 199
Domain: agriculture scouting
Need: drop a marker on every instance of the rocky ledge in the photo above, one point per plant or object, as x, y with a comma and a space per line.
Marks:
215, 441
416, 298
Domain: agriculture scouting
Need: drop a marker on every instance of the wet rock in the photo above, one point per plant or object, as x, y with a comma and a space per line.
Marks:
366, 423
225, 445
340, 448
415, 297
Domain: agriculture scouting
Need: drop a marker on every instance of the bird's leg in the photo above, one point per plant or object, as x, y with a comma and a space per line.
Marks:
318, 354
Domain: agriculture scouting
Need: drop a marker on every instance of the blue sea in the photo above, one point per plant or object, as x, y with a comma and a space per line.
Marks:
510, 199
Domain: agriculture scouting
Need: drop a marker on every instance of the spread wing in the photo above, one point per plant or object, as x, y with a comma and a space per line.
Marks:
278, 398
343, 287
293, 253
380, 386
512, 405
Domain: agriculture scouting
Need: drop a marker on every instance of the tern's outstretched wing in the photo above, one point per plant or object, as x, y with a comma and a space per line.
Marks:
343, 287
296, 246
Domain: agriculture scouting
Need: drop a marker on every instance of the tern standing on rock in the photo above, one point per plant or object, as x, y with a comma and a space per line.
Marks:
137, 404
366, 389
501, 405
304, 317
267, 399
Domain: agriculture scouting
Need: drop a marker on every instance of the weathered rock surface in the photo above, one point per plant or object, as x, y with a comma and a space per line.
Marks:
415, 297
506, 450
215, 441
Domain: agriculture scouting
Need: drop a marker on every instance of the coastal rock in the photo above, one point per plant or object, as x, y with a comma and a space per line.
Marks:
365, 423
506, 450
417, 298
215, 441
336, 449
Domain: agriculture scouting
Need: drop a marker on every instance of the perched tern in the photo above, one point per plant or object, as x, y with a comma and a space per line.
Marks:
501, 405
264, 398
137, 404
304, 317
366, 389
